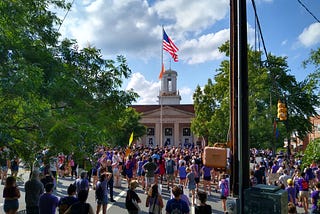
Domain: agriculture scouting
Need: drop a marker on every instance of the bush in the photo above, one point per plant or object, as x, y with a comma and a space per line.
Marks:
312, 153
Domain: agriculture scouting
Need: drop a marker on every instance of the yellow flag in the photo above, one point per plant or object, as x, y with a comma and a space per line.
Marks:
131, 139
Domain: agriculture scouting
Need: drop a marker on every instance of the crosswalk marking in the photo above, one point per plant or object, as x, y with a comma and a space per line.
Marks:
116, 199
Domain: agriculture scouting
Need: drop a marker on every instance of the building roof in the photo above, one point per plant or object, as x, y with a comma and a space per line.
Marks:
147, 108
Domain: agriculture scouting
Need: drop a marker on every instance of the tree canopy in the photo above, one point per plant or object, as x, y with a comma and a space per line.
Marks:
269, 81
54, 94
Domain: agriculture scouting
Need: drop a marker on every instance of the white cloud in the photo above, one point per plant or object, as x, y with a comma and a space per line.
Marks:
190, 15
186, 95
205, 48
310, 35
148, 91
284, 42
133, 27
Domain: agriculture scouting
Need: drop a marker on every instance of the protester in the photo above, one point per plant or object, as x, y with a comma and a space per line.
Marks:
102, 189
48, 202
150, 167
202, 208
170, 166
33, 189
129, 169
132, 198
182, 174
14, 166
81, 207
304, 191
154, 200
66, 202
11, 194
291, 191
206, 172
82, 183
110, 179
176, 205
224, 191
191, 184
292, 208
315, 199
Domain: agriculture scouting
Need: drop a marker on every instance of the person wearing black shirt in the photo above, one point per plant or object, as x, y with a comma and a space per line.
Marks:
258, 174
110, 182
202, 208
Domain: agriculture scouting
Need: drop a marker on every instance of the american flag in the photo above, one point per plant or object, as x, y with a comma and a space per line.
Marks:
169, 46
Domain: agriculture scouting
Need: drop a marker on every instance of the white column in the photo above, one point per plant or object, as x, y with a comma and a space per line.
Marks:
158, 134
176, 134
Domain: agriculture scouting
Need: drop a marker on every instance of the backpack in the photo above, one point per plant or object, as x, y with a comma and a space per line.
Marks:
63, 206
226, 189
99, 192
305, 185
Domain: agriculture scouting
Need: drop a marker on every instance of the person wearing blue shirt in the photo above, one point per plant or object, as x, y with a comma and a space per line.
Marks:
48, 202
176, 205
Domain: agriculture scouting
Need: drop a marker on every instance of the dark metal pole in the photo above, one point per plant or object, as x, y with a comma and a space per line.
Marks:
243, 103
234, 96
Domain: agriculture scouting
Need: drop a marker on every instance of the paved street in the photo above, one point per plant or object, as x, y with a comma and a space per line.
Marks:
119, 193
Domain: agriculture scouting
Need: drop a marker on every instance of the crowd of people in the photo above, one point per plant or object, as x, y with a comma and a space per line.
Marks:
153, 169
301, 183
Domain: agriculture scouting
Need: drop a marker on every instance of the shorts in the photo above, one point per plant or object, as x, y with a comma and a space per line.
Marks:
116, 171
149, 181
104, 201
94, 172
197, 180
223, 197
191, 186
207, 178
10, 205
129, 175
304, 194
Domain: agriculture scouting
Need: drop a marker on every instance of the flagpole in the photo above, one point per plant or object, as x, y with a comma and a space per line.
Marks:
160, 97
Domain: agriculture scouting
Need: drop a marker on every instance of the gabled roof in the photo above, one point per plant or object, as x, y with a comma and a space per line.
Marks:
148, 108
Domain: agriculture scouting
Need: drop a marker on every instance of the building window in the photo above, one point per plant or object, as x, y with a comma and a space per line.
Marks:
168, 131
318, 128
169, 84
150, 131
186, 132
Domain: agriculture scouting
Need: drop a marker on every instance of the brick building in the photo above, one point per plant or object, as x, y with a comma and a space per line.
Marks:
168, 123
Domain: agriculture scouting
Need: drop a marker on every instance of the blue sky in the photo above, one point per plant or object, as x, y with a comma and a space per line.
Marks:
133, 28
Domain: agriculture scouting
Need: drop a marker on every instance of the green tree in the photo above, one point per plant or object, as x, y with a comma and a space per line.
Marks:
312, 153
128, 123
269, 81
54, 95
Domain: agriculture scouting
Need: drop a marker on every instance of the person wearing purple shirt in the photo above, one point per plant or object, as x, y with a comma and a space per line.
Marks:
291, 191
182, 174
315, 197
303, 191
274, 167
206, 172
48, 202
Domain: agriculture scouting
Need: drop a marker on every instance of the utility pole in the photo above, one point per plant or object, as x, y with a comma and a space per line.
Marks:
234, 97
239, 99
